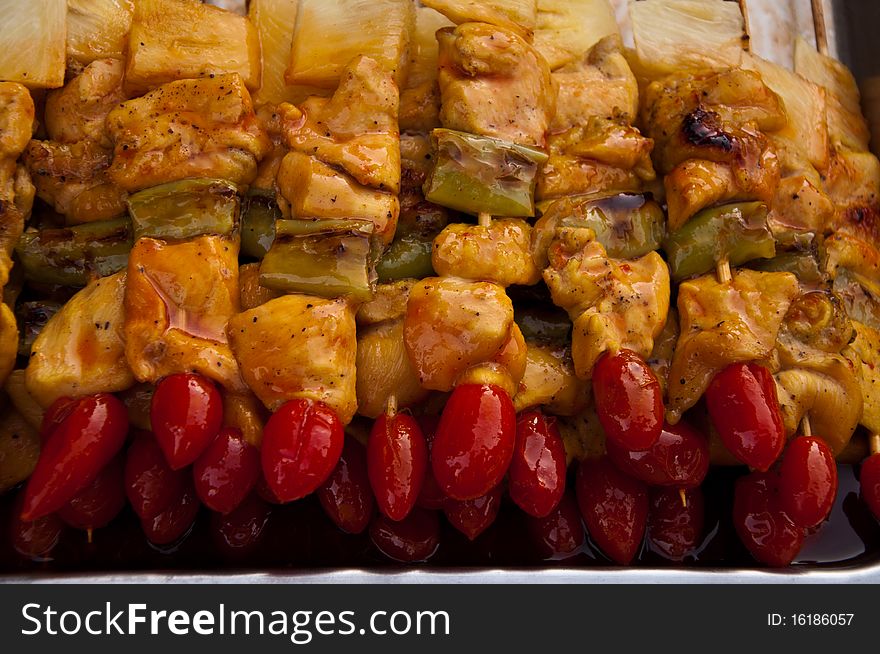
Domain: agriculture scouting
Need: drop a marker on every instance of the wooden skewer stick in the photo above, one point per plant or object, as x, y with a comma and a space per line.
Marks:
874, 443
484, 219
391, 406
806, 428
818, 7
722, 269
747, 40
683, 495
89, 534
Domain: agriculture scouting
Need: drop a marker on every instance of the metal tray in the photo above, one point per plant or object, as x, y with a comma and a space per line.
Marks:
849, 27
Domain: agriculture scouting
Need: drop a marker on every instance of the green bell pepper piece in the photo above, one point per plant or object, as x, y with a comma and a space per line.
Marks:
186, 208
802, 265
258, 223
736, 232
72, 256
543, 324
478, 174
327, 258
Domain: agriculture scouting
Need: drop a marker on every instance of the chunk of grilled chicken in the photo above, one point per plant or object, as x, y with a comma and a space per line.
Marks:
613, 304
549, 381
858, 257
16, 190
696, 184
72, 177
384, 369
499, 252
864, 353
723, 323
814, 378
519, 15
78, 111
178, 299
853, 184
188, 128
451, 325
8, 341
355, 129
298, 346
494, 83
664, 349
81, 350
599, 84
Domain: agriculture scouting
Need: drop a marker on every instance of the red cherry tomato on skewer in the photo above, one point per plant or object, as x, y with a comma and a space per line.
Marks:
629, 400
302, 442
346, 496
675, 528
34, 539
473, 517
82, 444
475, 439
186, 413
97, 504
807, 481
537, 471
226, 472
869, 479
763, 527
614, 507
561, 533
413, 539
679, 458
397, 458
55, 415
150, 484
744, 408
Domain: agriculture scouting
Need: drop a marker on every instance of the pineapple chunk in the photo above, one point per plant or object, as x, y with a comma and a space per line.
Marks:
566, 29
32, 43
805, 107
179, 39
81, 351
97, 29
423, 50
299, 346
315, 190
178, 299
189, 128
518, 15
356, 129
680, 36
274, 20
330, 33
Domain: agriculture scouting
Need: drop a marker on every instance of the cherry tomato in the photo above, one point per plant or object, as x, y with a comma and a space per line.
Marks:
240, 530
807, 481
84, 442
186, 413
346, 496
763, 527
397, 458
415, 538
473, 517
561, 533
302, 442
679, 458
475, 439
431, 496
97, 504
614, 507
629, 401
227, 471
34, 539
55, 415
744, 408
150, 484
174, 522
537, 471
675, 529
869, 478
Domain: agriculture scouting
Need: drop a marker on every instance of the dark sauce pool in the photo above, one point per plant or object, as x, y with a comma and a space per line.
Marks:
300, 537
